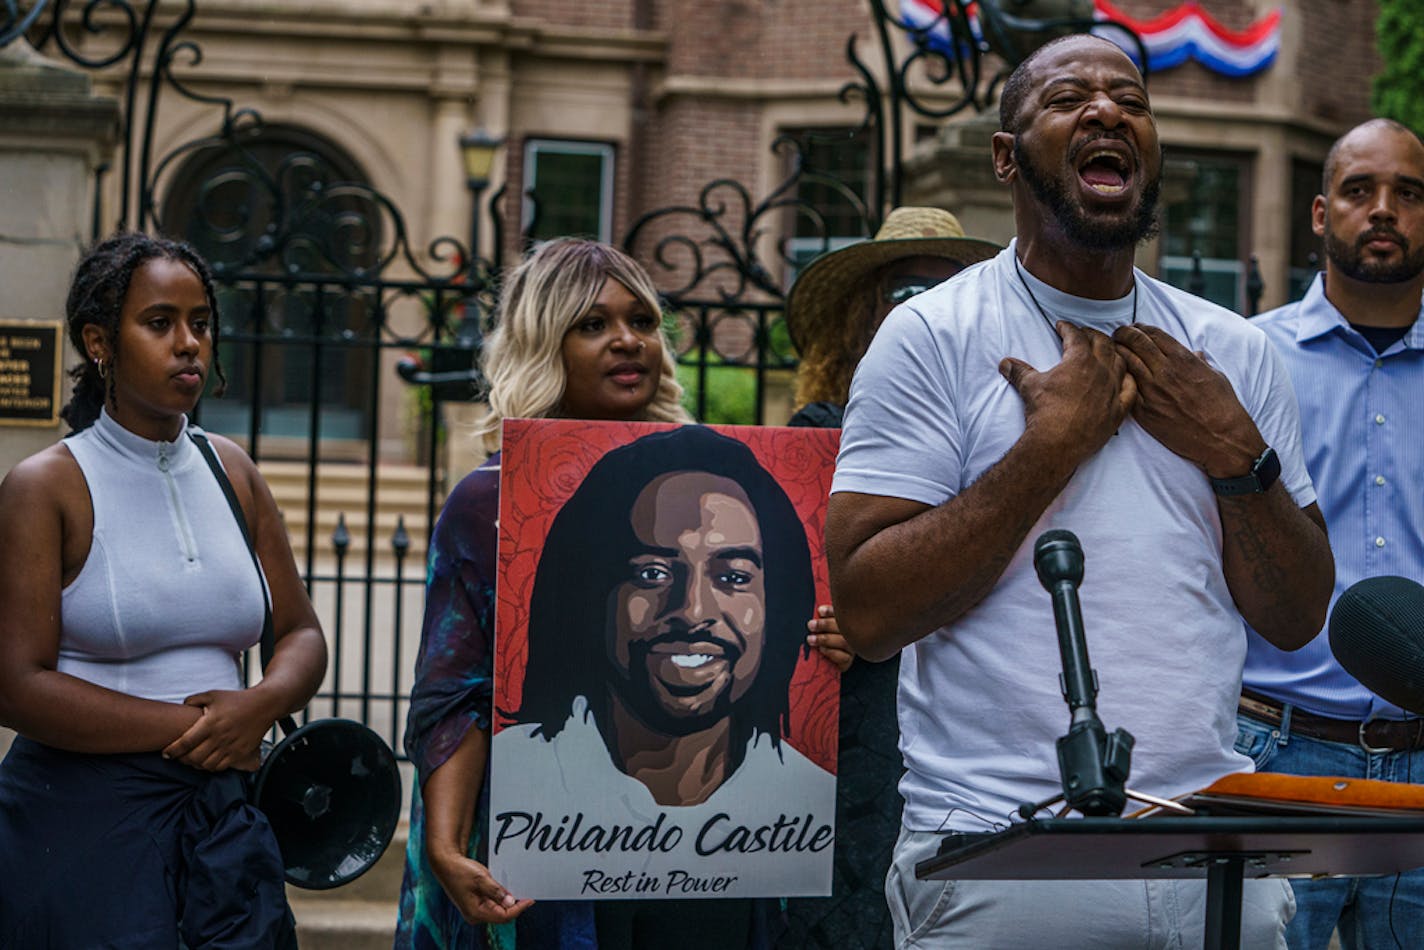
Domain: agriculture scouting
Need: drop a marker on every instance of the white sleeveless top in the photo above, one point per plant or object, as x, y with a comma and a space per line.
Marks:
168, 597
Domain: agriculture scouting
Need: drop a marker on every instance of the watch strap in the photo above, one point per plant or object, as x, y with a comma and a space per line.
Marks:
1264, 472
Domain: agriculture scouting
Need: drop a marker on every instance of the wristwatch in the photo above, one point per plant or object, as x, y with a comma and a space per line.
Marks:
1264, 472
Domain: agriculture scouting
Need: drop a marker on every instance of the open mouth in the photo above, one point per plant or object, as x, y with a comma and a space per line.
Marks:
689, 654
687, 665
1105, 171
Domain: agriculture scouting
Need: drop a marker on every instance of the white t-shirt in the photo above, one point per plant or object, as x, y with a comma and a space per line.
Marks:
980, 705
768, 831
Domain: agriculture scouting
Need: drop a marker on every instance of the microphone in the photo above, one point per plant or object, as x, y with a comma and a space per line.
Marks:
1377, 634
1058, 559
1092, 764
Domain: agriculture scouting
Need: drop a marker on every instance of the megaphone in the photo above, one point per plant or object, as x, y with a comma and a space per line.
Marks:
331, 791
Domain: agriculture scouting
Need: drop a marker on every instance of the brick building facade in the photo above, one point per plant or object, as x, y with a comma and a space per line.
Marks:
610, 111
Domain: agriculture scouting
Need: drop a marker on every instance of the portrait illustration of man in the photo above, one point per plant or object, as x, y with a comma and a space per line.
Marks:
666, 621
691, 560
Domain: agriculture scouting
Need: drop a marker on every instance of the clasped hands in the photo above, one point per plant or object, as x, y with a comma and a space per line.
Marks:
1141, 371
228, 732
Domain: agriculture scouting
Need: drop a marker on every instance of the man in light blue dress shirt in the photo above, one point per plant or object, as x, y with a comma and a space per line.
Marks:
1354, 347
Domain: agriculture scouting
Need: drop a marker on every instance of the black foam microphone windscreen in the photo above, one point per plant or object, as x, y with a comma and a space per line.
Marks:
1377, 634
1058, 556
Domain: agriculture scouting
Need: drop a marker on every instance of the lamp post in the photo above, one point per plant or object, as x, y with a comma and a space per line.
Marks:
477, 148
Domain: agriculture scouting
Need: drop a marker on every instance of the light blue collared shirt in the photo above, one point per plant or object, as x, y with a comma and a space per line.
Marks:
1362, 424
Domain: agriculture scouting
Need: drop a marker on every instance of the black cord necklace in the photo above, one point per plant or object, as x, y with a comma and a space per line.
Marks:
1044, 313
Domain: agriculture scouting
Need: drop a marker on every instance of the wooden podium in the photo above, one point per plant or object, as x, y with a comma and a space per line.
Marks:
1273, 825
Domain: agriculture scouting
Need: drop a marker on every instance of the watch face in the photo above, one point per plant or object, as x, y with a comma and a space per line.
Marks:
1267, 469
1264, 472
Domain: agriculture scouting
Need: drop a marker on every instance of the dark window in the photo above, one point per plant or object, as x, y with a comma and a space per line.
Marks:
831, 193
1207, 210
568, 188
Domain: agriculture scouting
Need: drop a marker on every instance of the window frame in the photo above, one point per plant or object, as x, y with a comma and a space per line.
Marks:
1245, 163
800, 249
536, 145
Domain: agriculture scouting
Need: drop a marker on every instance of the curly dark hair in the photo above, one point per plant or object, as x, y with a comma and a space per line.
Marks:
96, 296
570, 603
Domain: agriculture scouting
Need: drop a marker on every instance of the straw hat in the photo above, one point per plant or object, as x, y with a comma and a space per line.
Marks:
819, 299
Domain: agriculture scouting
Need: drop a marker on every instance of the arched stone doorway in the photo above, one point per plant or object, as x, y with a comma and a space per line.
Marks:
264, 206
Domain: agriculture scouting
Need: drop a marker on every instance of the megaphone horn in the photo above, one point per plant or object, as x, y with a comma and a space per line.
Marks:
330, 829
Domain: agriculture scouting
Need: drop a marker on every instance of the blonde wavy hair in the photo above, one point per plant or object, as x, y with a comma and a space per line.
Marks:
829, 360
540, 300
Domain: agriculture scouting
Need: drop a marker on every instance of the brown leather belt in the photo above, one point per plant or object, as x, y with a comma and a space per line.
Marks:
1377, 735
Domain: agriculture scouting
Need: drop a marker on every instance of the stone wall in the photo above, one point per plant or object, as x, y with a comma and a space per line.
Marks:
53, 134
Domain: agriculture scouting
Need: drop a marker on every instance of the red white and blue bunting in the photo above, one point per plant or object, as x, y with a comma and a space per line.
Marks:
1189, 32
1186, 32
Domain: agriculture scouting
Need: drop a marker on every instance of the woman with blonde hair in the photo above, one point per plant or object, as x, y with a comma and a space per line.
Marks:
579, 336
525, 358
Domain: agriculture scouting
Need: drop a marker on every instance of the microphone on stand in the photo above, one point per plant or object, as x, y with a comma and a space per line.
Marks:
1377, 634
1092, 763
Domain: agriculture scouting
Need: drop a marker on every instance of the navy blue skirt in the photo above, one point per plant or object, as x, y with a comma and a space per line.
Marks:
120, 851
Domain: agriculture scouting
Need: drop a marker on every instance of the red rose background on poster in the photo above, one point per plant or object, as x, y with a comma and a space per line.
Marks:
543, 463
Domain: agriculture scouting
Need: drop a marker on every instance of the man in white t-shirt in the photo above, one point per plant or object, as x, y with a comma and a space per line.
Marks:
1055, 386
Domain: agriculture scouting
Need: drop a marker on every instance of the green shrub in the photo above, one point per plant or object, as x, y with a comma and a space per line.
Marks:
1399, 87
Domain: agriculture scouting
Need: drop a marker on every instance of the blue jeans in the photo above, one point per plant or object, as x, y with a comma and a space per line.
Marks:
1372, 913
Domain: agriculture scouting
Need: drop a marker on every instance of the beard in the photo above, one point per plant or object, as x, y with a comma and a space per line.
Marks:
641, 697
1352, 262
1127, 230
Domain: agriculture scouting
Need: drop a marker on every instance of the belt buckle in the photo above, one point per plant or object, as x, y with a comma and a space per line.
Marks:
1369, 749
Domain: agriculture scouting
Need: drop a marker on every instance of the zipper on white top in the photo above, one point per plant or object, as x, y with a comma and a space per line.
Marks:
185, 531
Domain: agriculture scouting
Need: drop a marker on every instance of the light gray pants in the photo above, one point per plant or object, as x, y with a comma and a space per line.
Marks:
1067, 915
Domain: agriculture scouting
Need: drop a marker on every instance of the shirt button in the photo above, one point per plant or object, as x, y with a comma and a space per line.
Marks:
1379, 479
1379, 542
1379, 363
1379, 418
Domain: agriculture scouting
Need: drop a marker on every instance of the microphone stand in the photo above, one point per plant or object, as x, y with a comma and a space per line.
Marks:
1093, 764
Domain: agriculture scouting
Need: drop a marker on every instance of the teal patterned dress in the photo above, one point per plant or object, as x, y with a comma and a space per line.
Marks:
453, 692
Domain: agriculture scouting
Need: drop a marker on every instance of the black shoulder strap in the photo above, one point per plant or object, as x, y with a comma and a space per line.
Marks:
269, 636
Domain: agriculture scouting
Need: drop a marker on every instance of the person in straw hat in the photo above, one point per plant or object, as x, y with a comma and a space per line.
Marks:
839, 301
834, 309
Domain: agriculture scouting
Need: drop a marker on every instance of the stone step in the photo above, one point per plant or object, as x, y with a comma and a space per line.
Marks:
342, 490
327, 520
330, 473
344, 925
359, 915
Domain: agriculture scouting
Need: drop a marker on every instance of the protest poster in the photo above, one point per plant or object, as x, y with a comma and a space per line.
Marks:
661, 730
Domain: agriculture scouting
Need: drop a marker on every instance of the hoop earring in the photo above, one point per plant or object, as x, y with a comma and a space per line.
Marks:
99, 368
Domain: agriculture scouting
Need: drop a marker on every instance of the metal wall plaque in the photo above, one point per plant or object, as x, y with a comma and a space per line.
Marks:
30, 372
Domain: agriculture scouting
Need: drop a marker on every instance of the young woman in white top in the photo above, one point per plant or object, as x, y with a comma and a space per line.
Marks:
127, 595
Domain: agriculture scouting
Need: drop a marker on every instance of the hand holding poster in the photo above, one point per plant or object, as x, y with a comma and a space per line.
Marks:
661, 729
